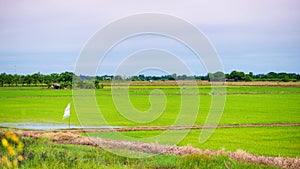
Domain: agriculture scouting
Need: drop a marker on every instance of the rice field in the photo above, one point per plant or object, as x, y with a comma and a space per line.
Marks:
244, 105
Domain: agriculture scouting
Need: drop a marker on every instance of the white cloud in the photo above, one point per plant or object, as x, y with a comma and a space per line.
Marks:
234, 26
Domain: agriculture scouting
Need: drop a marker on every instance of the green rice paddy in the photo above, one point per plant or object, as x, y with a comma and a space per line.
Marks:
244, 105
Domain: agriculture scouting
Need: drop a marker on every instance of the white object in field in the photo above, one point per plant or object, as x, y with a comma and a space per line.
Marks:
67, 112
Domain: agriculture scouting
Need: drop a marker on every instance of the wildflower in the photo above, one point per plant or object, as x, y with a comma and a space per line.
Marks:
15, 163
7, 134
4, 142
3, 159
20, 146
14, 138
20, 158
8, 164
13, 145
11, 151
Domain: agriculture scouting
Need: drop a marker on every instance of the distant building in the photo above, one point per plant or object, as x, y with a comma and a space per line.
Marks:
230, 80
56, 85
106, 77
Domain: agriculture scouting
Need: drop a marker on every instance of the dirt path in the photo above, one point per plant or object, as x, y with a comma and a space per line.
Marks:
153, 128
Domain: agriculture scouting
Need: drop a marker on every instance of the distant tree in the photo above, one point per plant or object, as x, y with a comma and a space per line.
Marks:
118, 78
28, 80
2, 79
22, 80
98, 85
54, 78
65, 77
248, 78
285, 78
134, 78
9, 79
237, 76
36, 78
16, 79
182, 77
142, 77
47, 80
174, 76
217, 76
250, 74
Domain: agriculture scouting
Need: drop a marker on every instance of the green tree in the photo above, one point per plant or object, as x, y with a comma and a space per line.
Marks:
2, 79
98, 85
22, 80
54, 78
28, 80
9, 79
285, 78
36, 78
16, 79
218, 76
47, 80
237, 76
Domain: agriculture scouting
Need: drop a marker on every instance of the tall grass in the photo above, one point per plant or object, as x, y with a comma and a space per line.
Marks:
44, 154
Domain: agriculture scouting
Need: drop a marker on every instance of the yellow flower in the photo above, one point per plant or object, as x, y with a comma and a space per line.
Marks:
3, 159
8, 164
14, 138
7, 134
15, 162
20, 158
20, 146
11, 151
4, 142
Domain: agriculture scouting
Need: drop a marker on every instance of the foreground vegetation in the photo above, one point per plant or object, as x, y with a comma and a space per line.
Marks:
266, 141
44, 154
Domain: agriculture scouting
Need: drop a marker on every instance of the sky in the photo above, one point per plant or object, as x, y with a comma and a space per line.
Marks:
257, 36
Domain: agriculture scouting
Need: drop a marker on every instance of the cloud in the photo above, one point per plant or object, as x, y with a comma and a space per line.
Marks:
237, 28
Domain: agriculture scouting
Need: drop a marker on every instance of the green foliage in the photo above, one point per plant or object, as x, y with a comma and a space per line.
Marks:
218, 76
82, 81
237, 76
98, 85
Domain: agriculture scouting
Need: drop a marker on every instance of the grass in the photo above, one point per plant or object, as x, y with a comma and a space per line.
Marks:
263, 105
44, 154
267, 141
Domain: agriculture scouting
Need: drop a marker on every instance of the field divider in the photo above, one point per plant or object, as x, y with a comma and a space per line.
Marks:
155, 128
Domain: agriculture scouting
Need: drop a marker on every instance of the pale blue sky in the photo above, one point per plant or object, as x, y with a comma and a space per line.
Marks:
249, 35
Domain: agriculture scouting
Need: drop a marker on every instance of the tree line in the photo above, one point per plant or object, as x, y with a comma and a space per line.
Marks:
65, 79
235, 76
36, 79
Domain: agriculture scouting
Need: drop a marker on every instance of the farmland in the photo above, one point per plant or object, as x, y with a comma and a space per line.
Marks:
244, 105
